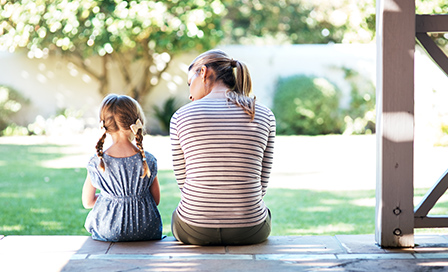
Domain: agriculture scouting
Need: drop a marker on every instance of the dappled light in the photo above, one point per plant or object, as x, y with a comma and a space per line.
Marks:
316, 209
364, 202
325, 229
441, 264
425, 249
51, 225
55, 170
40, 210
9, 228
303, 248
17, 195
180, 266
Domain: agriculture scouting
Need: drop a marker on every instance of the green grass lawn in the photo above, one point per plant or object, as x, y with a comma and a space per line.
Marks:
39, 200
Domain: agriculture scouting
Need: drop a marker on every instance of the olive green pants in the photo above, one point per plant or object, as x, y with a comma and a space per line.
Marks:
193, 235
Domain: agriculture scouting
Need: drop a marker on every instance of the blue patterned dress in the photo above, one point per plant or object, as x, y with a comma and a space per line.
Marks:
125, 209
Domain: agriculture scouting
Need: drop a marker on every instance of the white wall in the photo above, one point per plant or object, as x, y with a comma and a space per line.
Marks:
267, 64
53, 83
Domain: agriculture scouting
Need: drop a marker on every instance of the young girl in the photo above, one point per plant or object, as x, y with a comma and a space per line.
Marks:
126, 175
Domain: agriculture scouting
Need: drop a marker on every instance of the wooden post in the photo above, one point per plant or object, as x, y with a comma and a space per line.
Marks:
395, 35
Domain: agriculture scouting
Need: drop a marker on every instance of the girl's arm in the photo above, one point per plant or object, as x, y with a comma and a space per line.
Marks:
155, 190
89, 195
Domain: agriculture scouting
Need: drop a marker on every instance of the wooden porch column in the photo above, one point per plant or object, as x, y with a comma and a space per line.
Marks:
395, 35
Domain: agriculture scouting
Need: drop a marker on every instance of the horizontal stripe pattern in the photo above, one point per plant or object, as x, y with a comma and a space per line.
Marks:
222, 162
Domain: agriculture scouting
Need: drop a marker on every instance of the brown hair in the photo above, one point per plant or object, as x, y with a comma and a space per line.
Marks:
119, 112
233, 73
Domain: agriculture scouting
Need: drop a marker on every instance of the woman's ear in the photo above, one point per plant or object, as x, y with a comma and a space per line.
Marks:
203, 73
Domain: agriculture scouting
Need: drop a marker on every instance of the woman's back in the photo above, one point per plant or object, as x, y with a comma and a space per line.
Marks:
222, 162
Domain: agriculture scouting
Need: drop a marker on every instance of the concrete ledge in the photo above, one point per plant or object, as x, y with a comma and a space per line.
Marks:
278, 253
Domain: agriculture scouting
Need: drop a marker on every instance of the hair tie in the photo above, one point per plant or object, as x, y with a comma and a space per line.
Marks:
102, 124
233, 63
135, 127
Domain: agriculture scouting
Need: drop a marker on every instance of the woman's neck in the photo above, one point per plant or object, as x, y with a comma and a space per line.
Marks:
218, 91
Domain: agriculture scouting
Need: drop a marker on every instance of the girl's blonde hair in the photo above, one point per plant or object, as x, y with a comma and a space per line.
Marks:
233, 73
119, 112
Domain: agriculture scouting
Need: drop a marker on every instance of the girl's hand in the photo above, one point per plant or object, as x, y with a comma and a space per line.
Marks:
155, 190
89, 195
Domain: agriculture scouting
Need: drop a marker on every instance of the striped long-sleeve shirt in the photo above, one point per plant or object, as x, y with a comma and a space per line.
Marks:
222, 162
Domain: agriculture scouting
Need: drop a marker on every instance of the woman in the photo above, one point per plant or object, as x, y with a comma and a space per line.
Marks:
222, 156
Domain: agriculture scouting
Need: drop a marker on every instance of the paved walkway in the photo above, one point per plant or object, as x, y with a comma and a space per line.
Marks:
291, 253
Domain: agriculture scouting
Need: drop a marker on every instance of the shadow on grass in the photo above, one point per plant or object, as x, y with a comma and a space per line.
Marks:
36, 199
298, 212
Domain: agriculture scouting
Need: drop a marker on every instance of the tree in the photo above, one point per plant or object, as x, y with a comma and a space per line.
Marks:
142, 36
143, 33
299, 21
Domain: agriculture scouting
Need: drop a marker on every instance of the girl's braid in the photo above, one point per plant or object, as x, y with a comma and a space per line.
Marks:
139, 142
99, 151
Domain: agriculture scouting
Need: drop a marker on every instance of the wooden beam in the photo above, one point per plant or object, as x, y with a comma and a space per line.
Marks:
395, 123
431, 222
430, 199
431, 23
434, 51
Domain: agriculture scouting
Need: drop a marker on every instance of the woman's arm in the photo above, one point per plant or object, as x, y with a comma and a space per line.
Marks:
177, 154
89, 195
155, 190
268, 157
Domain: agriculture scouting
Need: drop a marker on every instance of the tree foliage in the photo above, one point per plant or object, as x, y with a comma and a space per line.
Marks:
141, 37
147, 33
299, 21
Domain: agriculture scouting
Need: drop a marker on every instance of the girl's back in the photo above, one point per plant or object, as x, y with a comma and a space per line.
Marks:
126, 175
125, 209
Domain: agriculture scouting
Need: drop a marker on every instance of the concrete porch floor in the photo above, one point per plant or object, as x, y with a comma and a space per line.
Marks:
278, 253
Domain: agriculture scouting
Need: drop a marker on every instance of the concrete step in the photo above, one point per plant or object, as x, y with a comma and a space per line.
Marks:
278, 253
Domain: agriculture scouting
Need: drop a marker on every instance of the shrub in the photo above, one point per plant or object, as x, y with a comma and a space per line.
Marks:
307, 105
66, 122
165, 113
11, 102
360, 116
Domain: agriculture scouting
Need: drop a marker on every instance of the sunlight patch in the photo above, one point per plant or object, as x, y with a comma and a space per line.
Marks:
436, 263
364, 202
316, 209
11, 228
438, 211
318, 230
75, 161
51, 225
41, 210
332, 201
17, 195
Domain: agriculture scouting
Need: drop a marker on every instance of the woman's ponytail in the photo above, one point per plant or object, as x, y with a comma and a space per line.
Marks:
233, 73
240, 94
